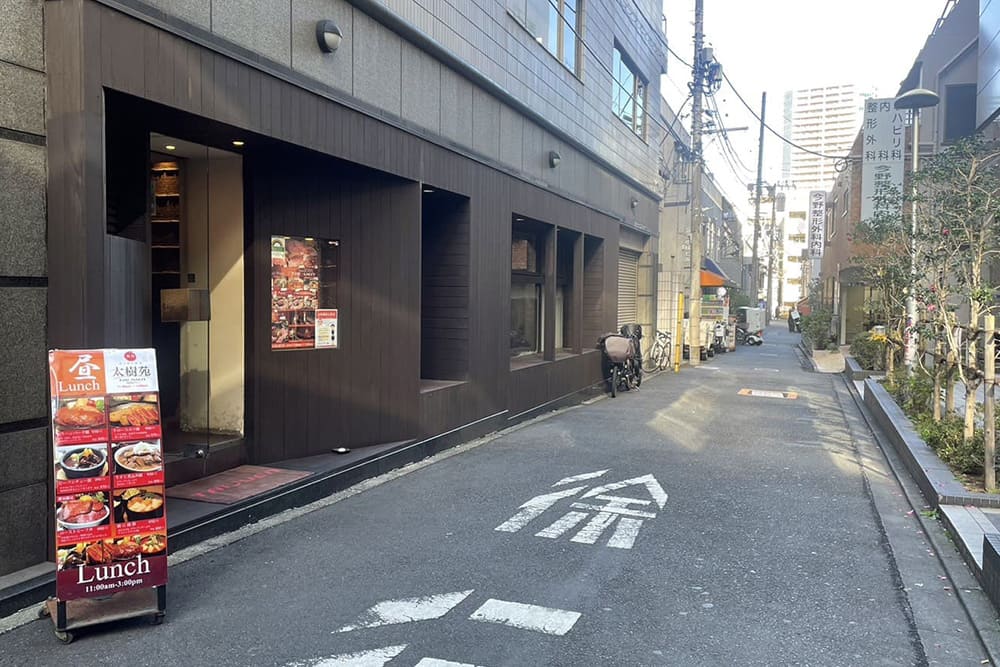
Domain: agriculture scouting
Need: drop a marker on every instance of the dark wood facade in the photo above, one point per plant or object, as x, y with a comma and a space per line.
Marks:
316, 168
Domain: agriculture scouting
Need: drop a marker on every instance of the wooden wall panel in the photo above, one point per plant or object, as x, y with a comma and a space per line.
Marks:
444, 297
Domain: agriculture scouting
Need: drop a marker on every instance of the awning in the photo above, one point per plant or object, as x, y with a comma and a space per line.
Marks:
712, 275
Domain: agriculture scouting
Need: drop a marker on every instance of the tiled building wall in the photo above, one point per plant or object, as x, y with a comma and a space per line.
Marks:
379, 68
23, 442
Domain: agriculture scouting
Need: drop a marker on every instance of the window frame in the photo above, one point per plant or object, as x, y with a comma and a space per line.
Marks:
519, 11
639, 89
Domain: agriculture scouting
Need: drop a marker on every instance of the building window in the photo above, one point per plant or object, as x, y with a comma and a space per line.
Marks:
792, 259
555, 24
797, 238
628, 95
959, 112
527, 278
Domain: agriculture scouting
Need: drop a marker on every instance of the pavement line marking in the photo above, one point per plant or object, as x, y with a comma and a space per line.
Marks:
372, 658
434, 662
580, 478
615, 509
768, 354
590, 533
654, 488
405, 610
767, 393
534, 507
709, 368
568, 521
769, 370
526, 617
625, 533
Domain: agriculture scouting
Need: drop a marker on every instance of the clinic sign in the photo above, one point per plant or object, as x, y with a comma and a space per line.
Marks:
882, 157
817, 222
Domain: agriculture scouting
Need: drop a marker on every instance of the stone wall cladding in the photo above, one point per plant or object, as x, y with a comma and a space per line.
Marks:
372, 60
24, 498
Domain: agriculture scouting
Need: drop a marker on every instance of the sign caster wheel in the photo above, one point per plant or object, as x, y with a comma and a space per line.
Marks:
43, 611
64, 637
157, 619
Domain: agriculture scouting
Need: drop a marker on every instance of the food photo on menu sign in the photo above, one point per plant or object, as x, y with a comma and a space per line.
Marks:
139, 510
134, 416
82, 517
79, 420
138, 463
81, 468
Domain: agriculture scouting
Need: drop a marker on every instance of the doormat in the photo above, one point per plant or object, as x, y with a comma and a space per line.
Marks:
232, 486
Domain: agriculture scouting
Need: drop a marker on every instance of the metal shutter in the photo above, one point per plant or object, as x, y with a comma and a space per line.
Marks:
628, 286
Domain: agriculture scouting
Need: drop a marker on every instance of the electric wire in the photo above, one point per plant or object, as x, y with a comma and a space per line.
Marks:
775, 132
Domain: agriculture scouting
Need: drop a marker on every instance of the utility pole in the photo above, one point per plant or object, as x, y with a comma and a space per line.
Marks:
773, 192
755, 263
697, 75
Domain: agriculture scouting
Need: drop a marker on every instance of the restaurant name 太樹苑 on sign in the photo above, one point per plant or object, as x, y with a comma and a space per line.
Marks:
110, 515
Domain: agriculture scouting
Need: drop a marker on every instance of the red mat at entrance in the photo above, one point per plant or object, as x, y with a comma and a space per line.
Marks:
232, 486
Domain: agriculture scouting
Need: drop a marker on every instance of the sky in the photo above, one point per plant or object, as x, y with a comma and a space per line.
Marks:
779, 45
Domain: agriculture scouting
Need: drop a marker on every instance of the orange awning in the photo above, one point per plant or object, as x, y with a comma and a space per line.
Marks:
709, 279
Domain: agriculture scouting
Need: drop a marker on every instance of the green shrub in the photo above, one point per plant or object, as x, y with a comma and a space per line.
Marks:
869, 351
946, 439
816, 328
914, 394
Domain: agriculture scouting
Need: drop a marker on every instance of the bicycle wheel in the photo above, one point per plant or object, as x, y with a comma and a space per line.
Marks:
614, 381
652, 361
667, 357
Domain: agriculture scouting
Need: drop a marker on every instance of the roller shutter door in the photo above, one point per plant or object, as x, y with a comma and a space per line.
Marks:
628, 286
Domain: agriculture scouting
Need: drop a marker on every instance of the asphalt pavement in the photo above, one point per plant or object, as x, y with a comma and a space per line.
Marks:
738, 513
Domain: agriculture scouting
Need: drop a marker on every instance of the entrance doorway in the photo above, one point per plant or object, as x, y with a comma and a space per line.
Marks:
197, 305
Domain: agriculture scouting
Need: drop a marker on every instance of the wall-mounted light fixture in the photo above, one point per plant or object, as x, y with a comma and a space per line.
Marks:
634, 202
554, 159
328, 36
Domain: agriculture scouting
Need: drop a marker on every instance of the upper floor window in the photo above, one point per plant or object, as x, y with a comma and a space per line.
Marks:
628, 95
555, 24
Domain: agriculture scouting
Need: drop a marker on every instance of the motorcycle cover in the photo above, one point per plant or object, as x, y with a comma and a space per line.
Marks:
618, 348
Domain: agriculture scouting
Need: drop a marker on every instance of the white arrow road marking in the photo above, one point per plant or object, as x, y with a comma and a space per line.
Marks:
373, 658
526, 617
580, 478
434, 662
568, 521
655, 490
625, 533
392, 612
534, 507
590, 533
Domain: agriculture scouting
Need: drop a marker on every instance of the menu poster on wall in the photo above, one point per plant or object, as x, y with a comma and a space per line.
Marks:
326, 327
294, 292
111, 531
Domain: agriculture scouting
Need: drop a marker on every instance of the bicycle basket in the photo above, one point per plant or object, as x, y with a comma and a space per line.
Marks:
618, 348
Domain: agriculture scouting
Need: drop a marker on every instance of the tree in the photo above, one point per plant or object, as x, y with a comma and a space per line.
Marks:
957, 202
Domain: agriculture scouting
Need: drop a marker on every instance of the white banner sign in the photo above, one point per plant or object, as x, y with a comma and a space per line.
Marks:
817, 222
882, 154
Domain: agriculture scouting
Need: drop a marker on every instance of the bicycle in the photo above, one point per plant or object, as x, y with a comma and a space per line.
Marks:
659, 354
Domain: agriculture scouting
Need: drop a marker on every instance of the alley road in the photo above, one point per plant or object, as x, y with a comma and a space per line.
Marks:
683, 524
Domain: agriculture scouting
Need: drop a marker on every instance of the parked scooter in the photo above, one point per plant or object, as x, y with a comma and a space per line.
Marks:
622, 354
744, 337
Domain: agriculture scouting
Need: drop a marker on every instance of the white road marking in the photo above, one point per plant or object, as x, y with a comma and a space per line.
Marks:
434, 662
590, 533
527, 617
373, 658
769, 370
655, 490
580, 478
709, 368
568, 521
625, 533
405, 610
615, 508
535, 507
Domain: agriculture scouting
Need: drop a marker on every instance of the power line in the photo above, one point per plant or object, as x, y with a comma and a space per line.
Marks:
776, 133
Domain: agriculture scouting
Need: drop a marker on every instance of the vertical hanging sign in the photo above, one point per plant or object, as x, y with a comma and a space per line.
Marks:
882, 159
817, 223
111, 527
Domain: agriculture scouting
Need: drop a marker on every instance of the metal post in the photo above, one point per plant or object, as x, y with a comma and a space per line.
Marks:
697, 74
679, 338
989, 407
770, 256
754, 268
911, 297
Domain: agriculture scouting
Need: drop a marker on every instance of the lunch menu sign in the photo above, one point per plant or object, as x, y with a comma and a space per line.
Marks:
111, 526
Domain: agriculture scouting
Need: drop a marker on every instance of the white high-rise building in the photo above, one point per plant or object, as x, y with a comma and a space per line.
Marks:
824, 120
